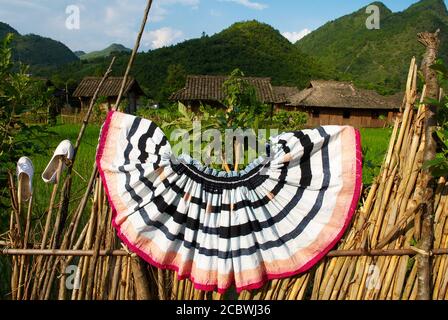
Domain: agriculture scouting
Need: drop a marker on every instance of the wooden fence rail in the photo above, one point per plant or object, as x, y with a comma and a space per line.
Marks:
123, 253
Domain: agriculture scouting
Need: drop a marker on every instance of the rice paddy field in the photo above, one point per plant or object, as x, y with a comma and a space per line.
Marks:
375, 142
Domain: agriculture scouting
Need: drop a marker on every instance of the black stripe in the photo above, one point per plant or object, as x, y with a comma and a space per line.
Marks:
214, 184
127, 152
305, 161
326, 182
162, 143
142, 142
251, 226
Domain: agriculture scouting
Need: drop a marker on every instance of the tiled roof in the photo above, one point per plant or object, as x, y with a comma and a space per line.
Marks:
211, 88
336, 94
283, 94
111, 87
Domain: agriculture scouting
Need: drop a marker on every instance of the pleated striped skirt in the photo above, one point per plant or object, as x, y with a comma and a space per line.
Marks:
275, 219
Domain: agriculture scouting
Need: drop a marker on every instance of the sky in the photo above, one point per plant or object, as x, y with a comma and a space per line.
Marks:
90, 25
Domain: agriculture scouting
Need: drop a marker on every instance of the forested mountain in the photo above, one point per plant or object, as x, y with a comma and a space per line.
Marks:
36, 51
256, 48
5, 29
377, 58
113, 48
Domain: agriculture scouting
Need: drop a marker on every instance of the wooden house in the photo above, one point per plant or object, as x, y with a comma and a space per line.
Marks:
283, 95
209, 90
110, 90
341, 103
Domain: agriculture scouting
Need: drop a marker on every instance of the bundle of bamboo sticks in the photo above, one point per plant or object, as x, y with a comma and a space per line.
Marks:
78, 278
389, 218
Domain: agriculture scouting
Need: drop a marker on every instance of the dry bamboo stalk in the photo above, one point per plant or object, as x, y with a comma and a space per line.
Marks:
101, 215
133, 54
180, 293
122, 253
282, 289
88, 245
299, 284
24, 245
339, 281
128, 278
160, 284
115, 279
140, 279
347, 281
39, 268
272, 285
302, 291
187, 290
431, 42
175, 289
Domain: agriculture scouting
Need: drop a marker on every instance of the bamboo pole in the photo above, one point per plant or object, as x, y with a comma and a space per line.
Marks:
431, 42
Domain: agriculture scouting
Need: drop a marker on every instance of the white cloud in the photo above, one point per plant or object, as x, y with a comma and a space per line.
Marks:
295, 36
102, 21
249, 4
161, 37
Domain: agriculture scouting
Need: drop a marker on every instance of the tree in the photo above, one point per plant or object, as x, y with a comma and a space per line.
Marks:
19, 94
175, 80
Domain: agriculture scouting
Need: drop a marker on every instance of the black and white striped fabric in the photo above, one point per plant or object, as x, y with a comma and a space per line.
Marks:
275, 219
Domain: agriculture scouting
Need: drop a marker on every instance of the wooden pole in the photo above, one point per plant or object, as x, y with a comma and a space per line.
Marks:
431, 42
139, 272
122, 253
67, 184
134, 54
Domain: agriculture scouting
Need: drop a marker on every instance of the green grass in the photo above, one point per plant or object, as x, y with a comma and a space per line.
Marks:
83, 165
375, 142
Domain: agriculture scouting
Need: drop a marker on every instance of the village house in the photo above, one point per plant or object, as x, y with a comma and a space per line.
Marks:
110, 90
341, 103
283, 95
209, 90
325, 102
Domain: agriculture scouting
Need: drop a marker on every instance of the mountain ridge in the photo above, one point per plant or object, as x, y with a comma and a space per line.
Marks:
377, 58
37, 51
113, 48
256, 48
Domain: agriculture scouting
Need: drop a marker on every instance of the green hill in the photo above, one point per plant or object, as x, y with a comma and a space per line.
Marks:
114, 48
5, 29
256, 48
377, 58
36, 51
79, 53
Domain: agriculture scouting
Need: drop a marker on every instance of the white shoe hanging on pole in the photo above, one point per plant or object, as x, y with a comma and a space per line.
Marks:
25, 172
63, 152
